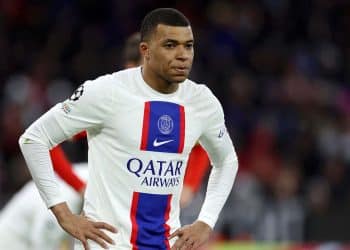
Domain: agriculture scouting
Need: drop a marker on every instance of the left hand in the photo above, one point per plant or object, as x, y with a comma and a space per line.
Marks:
191, 236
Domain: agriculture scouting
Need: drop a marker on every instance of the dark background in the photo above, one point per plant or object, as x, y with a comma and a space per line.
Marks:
279, 67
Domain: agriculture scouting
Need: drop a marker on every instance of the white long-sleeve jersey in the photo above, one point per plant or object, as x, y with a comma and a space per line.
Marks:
139, 141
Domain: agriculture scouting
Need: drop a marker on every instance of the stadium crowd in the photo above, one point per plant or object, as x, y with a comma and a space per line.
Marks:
280, 68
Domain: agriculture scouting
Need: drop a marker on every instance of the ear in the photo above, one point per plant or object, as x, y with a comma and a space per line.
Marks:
144, 50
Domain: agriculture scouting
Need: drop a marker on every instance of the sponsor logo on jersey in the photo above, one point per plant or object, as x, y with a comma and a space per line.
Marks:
157, 143
163, 128
156, 173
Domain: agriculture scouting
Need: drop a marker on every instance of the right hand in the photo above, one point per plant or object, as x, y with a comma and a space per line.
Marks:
82, 228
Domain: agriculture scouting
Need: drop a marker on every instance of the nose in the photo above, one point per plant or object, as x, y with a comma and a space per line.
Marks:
183, 53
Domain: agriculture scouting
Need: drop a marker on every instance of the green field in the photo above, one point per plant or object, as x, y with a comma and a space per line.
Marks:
248, 246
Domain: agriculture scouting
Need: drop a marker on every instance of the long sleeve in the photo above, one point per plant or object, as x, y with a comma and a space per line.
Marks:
219, 187
217, 142
85, 110
39, 163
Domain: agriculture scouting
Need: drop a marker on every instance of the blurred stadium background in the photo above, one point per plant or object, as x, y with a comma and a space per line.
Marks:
281, 68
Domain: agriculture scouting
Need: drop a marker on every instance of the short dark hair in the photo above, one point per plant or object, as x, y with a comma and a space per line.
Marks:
131, 51
167, 16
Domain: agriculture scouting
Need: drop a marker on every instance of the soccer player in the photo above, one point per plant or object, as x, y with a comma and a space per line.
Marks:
25, 222
198, 162
141, 124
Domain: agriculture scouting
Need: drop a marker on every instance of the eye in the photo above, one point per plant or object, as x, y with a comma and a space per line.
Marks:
169, 45
189, 46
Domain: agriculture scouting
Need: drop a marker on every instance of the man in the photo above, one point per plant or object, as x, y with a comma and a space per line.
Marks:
25, 222
131, 54
142, 124
197, 164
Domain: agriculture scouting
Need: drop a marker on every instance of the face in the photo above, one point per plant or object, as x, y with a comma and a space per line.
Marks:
169, 53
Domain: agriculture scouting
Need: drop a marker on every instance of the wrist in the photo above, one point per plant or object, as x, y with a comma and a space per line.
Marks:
204, 225
61, 211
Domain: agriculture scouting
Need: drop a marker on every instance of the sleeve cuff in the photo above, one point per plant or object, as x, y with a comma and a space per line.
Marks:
210, 220
53, 202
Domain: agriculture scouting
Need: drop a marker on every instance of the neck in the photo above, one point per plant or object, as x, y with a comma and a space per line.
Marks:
157, 82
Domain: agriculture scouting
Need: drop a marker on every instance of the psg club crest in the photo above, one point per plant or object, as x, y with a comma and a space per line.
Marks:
165, 124
163, 128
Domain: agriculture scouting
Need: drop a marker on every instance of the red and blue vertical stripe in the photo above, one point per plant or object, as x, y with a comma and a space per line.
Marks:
163, 127
149, 215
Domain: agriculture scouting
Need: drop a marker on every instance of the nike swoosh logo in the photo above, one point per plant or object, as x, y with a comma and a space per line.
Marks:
157, 143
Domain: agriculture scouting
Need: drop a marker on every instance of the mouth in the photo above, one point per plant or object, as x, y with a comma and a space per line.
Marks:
181, 70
